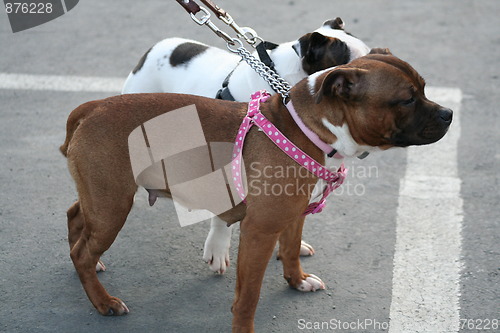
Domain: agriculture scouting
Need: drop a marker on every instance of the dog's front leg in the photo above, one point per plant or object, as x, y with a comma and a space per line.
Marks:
256, 247
216, 250
289, 254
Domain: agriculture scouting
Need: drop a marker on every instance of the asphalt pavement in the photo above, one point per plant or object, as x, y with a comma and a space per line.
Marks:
156, 266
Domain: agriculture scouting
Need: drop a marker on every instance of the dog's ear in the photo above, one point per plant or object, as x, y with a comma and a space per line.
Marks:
343, 82
310, 46
315, 49
378, 50
337, 23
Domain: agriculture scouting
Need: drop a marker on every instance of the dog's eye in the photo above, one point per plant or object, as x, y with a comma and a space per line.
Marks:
408, 102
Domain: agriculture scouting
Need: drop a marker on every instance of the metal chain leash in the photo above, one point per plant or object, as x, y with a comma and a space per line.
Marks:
276, 82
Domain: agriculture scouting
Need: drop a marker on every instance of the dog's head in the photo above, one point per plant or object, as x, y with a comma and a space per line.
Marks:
328, 46
376, 102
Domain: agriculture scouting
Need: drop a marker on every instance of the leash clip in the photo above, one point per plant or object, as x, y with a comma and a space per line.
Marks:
234, 45
202, 20
249, 35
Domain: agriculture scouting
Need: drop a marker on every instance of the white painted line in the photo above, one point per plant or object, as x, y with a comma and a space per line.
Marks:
425, 286
60, 83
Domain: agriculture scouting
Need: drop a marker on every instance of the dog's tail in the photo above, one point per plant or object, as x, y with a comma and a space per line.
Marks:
75, 118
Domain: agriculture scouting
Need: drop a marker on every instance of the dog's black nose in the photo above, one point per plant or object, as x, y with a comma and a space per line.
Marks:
446, 115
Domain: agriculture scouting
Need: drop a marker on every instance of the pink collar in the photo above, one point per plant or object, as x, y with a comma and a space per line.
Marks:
325, 147
255, 117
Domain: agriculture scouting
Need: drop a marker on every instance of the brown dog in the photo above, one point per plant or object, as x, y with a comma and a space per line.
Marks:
374, 103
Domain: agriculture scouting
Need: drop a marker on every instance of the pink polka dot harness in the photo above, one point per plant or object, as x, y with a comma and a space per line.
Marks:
255, 117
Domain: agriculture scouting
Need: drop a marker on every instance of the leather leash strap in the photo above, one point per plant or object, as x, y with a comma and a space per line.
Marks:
219, 12
192, 7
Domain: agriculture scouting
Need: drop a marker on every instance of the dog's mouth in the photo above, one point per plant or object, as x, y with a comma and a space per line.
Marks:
433, 134
428, 135
439, 127
427, 132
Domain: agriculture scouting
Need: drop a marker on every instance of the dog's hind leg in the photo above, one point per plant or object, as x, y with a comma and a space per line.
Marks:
289, 254
75, 227
75, 223
103, 218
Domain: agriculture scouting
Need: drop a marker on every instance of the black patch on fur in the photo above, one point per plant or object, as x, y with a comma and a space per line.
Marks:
141, 61
183, 53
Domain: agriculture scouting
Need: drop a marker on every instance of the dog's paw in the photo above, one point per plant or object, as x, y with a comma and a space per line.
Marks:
113, 307
216, 253
100, 267
218, 262
306, 250
311, 283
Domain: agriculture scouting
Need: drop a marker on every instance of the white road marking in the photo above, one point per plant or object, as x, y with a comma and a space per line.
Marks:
426, 291
60, 83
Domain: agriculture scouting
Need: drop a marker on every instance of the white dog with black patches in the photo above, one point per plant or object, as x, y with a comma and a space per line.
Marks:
177, 65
